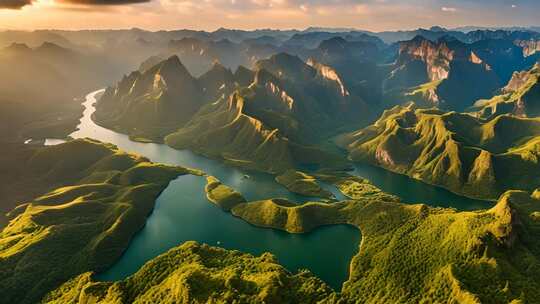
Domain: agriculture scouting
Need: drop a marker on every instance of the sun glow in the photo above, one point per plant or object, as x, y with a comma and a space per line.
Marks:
373, 15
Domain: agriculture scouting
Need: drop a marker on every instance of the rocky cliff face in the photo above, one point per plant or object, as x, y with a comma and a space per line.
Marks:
458, 74
437, 56
530, 47
518, 80
327, 73
319, 90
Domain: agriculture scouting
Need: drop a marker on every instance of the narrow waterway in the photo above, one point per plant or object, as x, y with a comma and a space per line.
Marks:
183, 213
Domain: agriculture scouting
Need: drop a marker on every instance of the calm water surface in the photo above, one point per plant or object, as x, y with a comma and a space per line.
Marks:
183, 213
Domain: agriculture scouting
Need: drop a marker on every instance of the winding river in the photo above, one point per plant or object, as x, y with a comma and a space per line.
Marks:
183, 213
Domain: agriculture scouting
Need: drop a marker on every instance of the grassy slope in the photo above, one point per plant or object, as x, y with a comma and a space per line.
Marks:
222, 195
414, 253
193, 273
84, 225
424, 95
457, 151
15, 184
302, 183
223, 130
439, 255
521, 97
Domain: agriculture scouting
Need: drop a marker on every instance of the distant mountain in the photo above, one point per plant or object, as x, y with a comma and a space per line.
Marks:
432, 34
357, 64
312, 40
528, 41
457, 151
331, 29
241, 35
33, 39
520, 97
452, 74
38, 88
199, 55
522, 37
264, 40
467, 29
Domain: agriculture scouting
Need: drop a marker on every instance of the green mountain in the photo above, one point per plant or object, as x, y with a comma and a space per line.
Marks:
199, 274
521, 97
199, 55
271, 124
152, 103
318, 93
225, 130
103, 199
457, 151
155, 101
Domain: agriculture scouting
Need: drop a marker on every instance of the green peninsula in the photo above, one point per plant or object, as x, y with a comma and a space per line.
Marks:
195, 273
84, 225
302, 183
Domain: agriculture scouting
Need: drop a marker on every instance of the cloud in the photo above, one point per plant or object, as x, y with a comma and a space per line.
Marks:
448, 9
18, 4
102, 2
14, 4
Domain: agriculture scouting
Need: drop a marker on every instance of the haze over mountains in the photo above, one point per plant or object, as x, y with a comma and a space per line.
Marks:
38, 87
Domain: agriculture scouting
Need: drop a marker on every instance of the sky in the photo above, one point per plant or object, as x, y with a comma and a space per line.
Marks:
374, 15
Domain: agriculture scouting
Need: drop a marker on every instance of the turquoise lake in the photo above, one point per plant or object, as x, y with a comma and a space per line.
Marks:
183, 213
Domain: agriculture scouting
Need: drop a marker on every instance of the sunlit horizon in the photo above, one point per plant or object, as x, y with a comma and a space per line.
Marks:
210, 15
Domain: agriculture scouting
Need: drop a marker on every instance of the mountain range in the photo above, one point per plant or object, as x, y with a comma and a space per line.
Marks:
457, 109
451, 74
285, 104
468, 155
